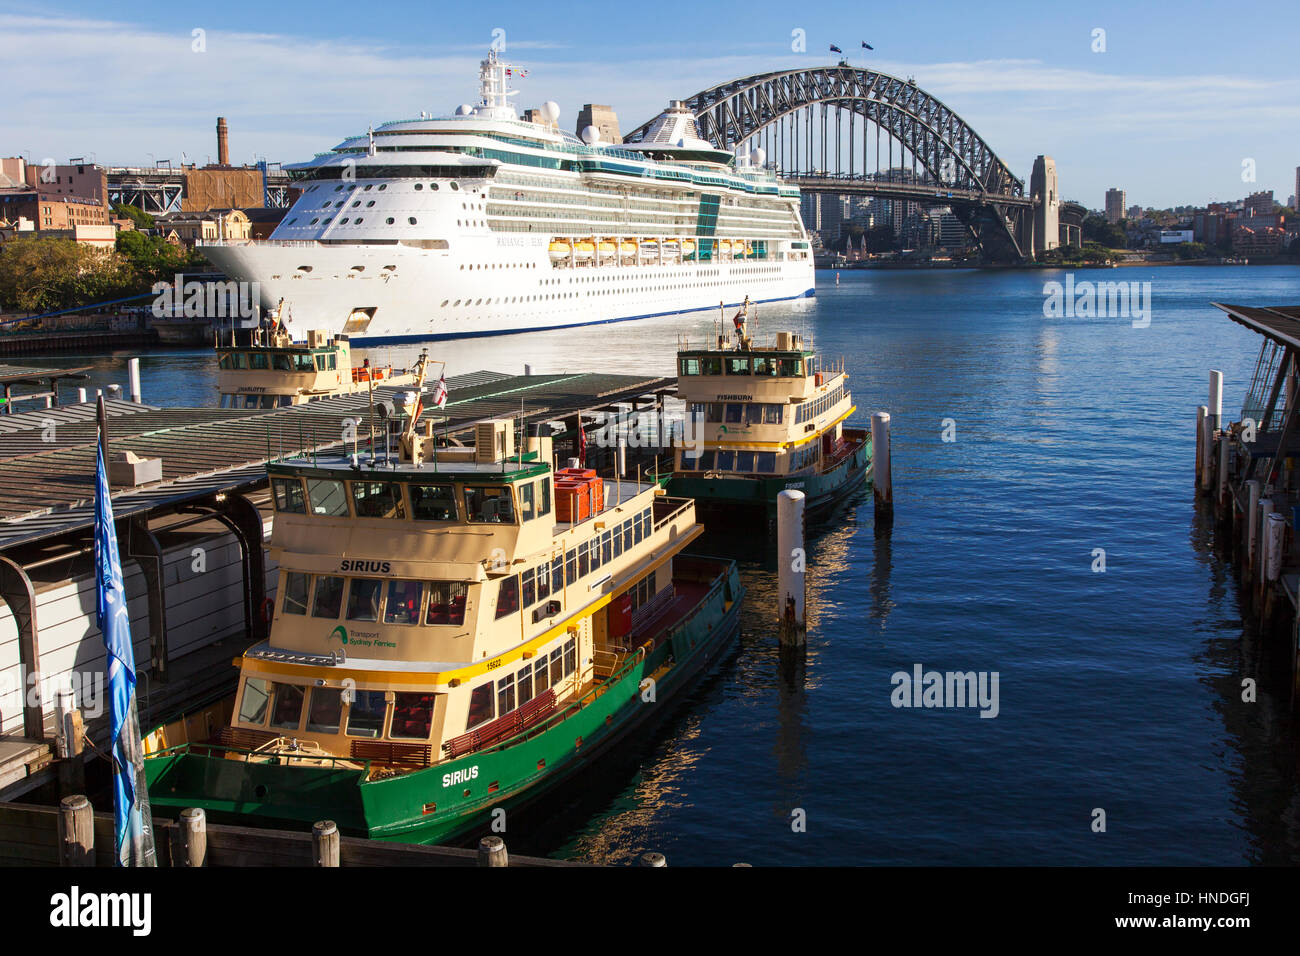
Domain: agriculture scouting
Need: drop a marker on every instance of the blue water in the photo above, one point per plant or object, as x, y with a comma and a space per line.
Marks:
1118, 690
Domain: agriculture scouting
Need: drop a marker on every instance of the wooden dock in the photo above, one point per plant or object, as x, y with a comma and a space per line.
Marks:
1247, 472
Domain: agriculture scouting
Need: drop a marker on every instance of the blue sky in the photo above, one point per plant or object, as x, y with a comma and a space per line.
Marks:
1182, 95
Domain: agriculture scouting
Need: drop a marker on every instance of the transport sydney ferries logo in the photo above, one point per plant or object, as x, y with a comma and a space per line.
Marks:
340, 632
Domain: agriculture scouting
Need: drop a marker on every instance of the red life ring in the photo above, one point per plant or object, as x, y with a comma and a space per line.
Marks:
268, 611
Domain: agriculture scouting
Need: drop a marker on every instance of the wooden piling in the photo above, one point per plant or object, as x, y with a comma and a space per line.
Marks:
1224, 498
1202, 413
76, 831
68, 744
791, 562
492, 852
194, 837
1252, 529
881, 477
1216, 400
325, 843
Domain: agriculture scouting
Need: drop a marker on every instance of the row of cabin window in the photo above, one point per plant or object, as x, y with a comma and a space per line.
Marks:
278, 361
810, 410
538, 584
736, 413
404, 602
256, 401
770, 365
491, 504
804, 456
498, 698
744, 462
366, 716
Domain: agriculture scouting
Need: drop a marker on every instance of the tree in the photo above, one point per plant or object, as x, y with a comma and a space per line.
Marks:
45, 275
1190, 250
1110, 235
137, 215
152, 259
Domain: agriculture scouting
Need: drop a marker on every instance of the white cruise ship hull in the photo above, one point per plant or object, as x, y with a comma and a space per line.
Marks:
486, 285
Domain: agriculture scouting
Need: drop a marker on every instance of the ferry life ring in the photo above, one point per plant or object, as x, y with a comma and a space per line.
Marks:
268, 611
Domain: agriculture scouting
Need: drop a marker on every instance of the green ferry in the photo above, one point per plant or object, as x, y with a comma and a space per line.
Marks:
762, 419
443, 644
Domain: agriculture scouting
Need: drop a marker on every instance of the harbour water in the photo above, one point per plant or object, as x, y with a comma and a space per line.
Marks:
1022, 445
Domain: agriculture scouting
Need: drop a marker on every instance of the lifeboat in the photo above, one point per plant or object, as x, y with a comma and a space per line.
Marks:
584, 249
560, 250
649, 247
627, 248
724, 246
688, 247
607, 250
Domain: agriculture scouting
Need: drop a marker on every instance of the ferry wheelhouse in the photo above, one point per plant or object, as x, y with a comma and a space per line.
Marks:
764, 418
270, 370
449, 636
482, 223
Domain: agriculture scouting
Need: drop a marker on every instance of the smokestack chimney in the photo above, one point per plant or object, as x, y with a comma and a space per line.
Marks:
223, 142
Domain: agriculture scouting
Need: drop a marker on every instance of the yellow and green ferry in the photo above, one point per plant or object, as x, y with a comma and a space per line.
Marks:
448, 638
763, 418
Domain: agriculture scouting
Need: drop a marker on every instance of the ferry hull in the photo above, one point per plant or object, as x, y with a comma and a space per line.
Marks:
455, 798
735, 497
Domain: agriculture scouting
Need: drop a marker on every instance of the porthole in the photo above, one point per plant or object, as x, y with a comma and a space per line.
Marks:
369, 187
343, 221
356, 204
433, 186
418, 187
337, 188
383, 186
314, 221
455, 185
358, 222
371, 202
389, 220
411, 220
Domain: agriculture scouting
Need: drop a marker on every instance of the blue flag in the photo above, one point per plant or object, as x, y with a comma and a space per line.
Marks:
134, 821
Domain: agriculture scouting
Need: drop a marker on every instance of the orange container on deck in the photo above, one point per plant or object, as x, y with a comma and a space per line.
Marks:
579, 494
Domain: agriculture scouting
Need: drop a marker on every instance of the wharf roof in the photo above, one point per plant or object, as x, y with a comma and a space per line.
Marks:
47, 474
1281, 323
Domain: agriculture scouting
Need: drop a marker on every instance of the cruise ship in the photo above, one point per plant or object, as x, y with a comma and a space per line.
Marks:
484, 223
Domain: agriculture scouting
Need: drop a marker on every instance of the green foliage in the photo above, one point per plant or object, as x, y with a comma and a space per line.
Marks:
44, 275
137, 215
153, 259
1190, 250
1097, 230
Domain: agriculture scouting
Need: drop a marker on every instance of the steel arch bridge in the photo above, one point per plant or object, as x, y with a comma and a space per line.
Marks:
806, 120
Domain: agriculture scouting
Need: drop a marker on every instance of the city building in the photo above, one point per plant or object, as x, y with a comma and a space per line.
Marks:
603, 118
1043, 187
1115, 199
1259, 204
204, 226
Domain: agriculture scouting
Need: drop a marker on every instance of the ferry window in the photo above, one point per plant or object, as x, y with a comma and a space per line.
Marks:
690, 366
773, 414
326, 710
238, 360
543, 497
606, 548
506, 694
412, 715
366, 715
557, 666
810, 366
790, 368
508, 596
327, 497
754, 414
295, 592
363, 600
737, 364
433, 502
763, 365
617, 539
745, 461
329, 597
529, 587
706, 461
223, 362
480, 705
492, 505
524, 684
557, 575
320, 363
252, 706
447, 602
711, 365
570, 656
287, 711
377, 499
583, 565
541, 676
571, 565
627, 535
288, 496
526, 510
726, 460
543, 581
735, 413
333, 363
304, 363
403, 604
765, 462
257, 360
713, 412
280, 363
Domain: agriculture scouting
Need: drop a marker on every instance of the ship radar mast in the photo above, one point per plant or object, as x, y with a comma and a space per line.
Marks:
494, 91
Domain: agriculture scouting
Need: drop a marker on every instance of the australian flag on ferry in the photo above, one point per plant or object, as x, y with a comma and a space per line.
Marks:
133, 831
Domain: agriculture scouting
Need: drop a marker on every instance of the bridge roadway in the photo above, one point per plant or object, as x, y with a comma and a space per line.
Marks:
929, 193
